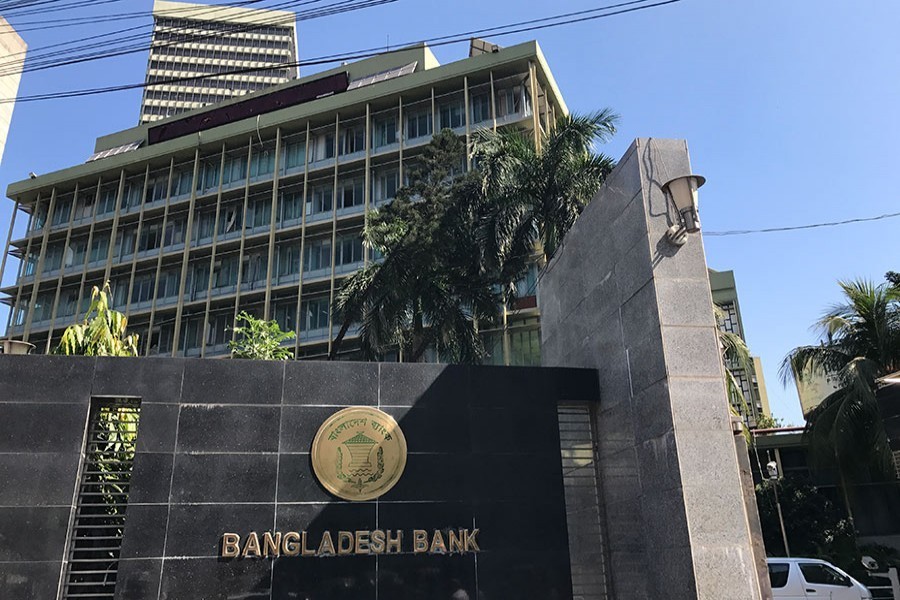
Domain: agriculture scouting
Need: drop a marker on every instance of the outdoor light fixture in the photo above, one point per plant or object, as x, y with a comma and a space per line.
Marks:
15, 347
683, 191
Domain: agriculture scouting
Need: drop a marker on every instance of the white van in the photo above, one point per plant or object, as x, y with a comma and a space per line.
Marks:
805, 578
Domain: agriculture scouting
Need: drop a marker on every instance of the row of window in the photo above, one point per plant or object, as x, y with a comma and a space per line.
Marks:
212, 68
202, 26
179, 36
218, 54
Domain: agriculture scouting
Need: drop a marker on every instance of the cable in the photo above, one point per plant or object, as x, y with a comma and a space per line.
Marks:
799, 227
330, 59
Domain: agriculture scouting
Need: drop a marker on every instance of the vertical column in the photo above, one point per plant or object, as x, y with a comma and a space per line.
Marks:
468, 123
532, 79
12, 225
115, 228
270, 268
334, 201
367, 194
434, 118
62, 269
237, 289
90, 242
493, 104
185, 256
21, 273
137, 241
212, 255
40, 266
402, 135
302, 244
159, 256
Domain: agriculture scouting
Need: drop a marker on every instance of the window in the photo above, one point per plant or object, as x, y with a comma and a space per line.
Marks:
386, 185
294, 154
350, 194
262, 212
62, 211
206, 222
181, 182
99, 248
481, 108
107, 200
262, 164
288, 259
235, 169
509, 100
314, 314
291, 205
386, 131
174, 233
451, 115
151, 236
778, 574
142, 290
419, 124
823, 575
285, 315
168, 283
317, 256
321, 200
84, 208
349, 250
230, 218
156, 188
225, 273
208, 176
352, 140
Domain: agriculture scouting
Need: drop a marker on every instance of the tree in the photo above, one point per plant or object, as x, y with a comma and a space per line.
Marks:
259, 339
536, 194
431, 289
735, 355
893, 278
860, 343
104, 332
813, 525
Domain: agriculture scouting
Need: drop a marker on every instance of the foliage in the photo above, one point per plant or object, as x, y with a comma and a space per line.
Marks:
536, 194
102, 333
432, 288
259, 339
861, 342
735, 355
893, 278
815, 527
769, 422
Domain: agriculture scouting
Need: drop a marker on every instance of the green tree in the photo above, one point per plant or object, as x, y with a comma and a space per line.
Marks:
259, 339
536, 194
814, 526
860, 343
431, 289
104, 332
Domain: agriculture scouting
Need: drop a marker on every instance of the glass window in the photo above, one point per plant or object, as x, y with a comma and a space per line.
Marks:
451, 115
262, 163
151, 236
317, 256
314, 314
386, 185
385, 131
225, 273
107, 200
419, 124
352, 140
291, 205
350, 194
99, 248
285, 315
288, 259
823, 575
320, 201
778, 574
481, 108
174, 233
294, 154
235, 169
349, 250
262, 213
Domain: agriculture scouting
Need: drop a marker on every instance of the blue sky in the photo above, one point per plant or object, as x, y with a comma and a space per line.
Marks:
789, 108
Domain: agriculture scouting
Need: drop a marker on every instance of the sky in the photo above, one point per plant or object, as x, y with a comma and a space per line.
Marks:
790, 110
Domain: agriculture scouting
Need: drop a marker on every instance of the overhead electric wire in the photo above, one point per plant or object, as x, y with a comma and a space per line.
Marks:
68, 57
800, 227
497, 31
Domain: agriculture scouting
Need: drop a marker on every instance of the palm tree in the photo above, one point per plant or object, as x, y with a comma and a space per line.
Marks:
104, 332
861, 342
430, 290
735, 355
536, 193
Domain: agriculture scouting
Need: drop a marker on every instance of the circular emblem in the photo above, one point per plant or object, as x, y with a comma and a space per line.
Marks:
359, 453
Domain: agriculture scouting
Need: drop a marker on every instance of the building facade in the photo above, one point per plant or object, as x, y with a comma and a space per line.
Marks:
257, 204
12, 59
194, 40
753, 384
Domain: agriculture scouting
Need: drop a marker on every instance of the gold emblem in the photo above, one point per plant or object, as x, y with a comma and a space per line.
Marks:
359, 453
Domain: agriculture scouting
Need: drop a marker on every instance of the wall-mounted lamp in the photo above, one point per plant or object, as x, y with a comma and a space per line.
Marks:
15, 347
683, 191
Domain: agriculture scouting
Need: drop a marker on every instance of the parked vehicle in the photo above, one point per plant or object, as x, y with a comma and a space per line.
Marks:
808, 578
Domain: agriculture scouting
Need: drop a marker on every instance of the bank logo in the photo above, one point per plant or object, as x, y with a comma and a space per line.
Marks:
359, 453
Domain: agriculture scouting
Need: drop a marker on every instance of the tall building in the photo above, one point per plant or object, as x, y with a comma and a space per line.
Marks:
753, 384
192, 40
12, 59
258, 203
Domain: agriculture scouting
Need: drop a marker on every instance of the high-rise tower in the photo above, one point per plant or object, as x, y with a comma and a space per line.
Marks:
12, 59
212, 42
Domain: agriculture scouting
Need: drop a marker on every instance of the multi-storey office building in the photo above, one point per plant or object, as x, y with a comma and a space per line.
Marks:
753, 384
12, 59
194, 40
257, 204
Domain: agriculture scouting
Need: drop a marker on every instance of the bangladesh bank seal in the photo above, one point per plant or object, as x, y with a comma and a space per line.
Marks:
359, 453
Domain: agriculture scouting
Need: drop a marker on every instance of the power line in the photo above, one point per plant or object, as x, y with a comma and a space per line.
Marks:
498, 31
799, 227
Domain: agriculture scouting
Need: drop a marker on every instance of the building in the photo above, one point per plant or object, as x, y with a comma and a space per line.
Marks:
258, 203
192, 40
12, 57
724, 293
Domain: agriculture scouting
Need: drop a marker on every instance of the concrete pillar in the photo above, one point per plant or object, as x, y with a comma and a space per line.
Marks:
618, 297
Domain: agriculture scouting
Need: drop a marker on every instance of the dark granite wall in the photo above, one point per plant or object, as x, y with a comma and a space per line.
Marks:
224, 446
